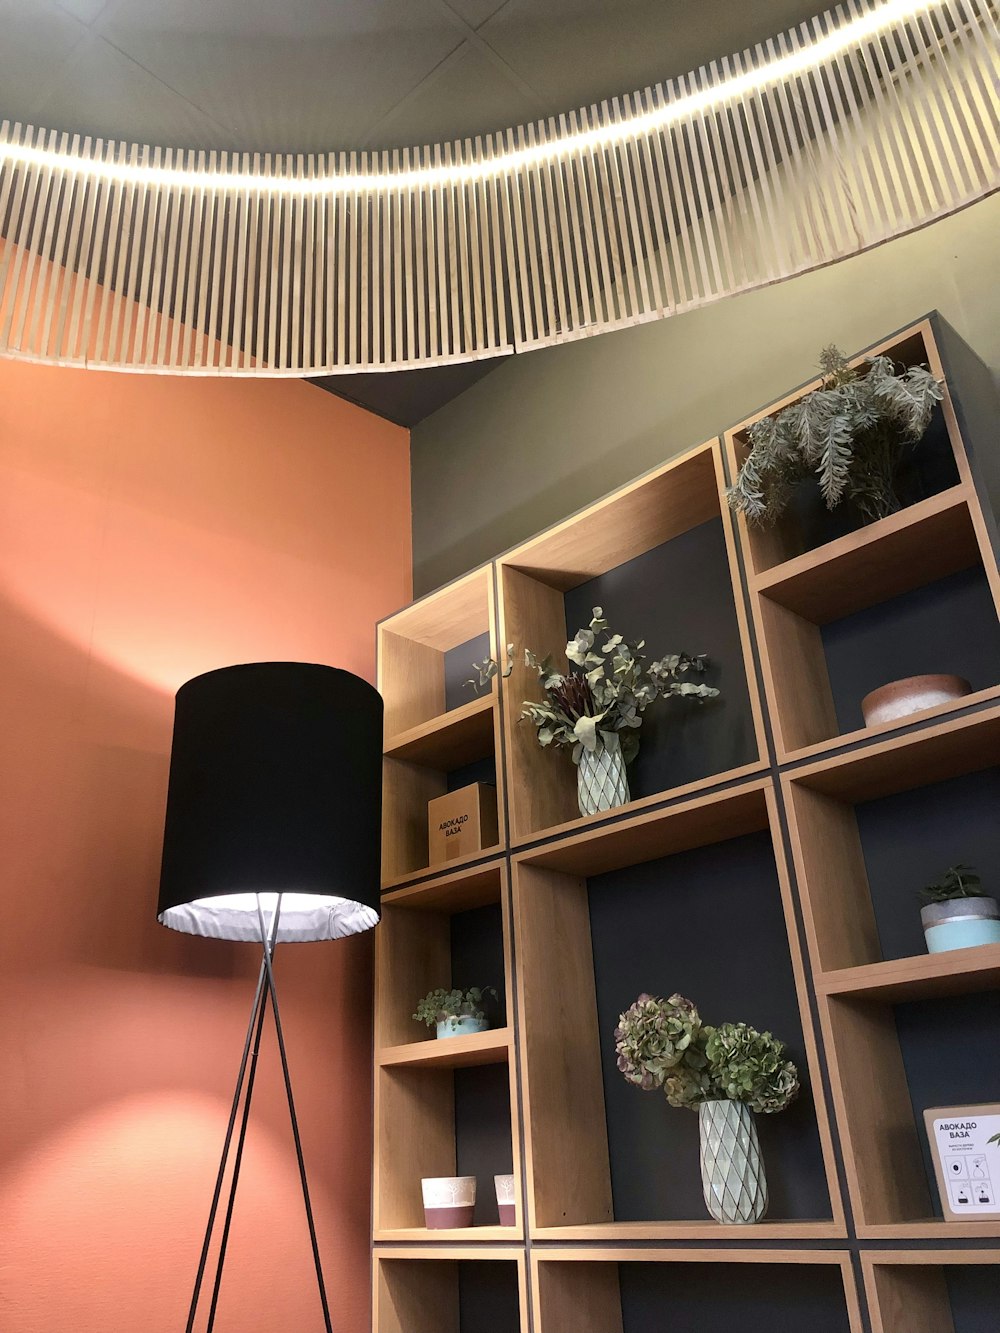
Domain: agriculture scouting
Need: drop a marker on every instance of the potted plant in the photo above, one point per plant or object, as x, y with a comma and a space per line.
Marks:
455, 1013
851, 434
596, 711
727, 1073
957, 914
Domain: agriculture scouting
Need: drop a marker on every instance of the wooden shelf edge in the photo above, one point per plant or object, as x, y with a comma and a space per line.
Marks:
525, 556
444, 868
821, 584
932, 1229
708, 1230
479, 1048
449, 740
714, 817
762, 1254
451, 1236
924, 976
512, 1251
826, 752
708, 788
444, 889
462, 594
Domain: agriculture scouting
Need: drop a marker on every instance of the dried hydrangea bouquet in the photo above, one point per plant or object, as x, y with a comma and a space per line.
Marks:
727, 1073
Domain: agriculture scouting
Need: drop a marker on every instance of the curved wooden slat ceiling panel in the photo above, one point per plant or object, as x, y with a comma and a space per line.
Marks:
871, 120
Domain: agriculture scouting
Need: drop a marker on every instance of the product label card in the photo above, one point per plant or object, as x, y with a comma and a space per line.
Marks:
970, 1162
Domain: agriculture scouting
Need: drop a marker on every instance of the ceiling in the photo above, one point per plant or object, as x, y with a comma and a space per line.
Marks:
317, 75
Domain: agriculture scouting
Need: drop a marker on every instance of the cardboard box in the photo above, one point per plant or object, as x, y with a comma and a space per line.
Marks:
461, 822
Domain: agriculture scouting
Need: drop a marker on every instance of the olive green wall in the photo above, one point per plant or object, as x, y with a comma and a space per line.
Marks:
549, 431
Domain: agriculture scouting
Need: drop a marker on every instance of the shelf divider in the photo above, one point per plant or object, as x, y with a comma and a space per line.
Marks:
449, 741
479, 1048
924, 542
923, 977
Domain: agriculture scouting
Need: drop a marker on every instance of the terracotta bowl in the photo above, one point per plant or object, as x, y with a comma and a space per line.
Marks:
912, 695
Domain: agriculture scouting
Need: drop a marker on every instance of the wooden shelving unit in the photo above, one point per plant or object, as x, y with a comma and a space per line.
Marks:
449, 1290
810, 589
438, 734
765, 867
667, 529
932, 1291
582, 1130
443, 1107
586, 1291
848, 817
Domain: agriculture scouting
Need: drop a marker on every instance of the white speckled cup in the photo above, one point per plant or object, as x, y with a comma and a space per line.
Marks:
449, 1201
506, 1205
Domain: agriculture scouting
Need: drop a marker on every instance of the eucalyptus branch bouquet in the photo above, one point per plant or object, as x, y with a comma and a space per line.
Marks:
609, 693
851, 433
663, 1044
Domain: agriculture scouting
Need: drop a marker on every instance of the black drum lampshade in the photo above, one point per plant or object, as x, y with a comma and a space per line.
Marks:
275, 788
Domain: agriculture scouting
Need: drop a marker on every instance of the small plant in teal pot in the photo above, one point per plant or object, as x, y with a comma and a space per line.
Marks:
957, 914
455, 1013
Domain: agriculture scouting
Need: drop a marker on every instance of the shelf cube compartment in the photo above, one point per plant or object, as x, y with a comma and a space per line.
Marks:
449, 933
937, 464
870, 828
888, 1064
659, 557
932, 1291
942, 620
904, 1029
841, 610
451, 1290
604, 916
432, 1122
439, 733
649, 1290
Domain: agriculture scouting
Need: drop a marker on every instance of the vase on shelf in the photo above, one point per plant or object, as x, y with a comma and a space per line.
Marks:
960, 923
732, 1169
601, 780
461, 1025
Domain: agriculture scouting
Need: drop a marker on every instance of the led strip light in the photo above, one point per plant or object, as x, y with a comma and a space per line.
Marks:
785, 67
869, 121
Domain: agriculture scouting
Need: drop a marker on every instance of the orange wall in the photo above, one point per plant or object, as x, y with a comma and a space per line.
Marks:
151, 529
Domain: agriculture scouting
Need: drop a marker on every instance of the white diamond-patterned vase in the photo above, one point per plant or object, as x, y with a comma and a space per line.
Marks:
601, 781
732, 1169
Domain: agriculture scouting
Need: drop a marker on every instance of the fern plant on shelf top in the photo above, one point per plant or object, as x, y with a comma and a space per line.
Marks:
852, 434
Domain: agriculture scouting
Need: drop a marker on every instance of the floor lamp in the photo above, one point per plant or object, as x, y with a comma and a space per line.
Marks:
272, 835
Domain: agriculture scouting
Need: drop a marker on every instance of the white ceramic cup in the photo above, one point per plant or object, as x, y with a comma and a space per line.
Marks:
504, 1186
449, 1201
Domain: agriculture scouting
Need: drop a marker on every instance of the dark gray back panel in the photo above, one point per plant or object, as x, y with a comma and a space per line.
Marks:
950, 1048
487, 1296
948, 626
975, 1297
678, 597
458, 669
483, 1134
722, 1298
643, 921
477, 954
910, 838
